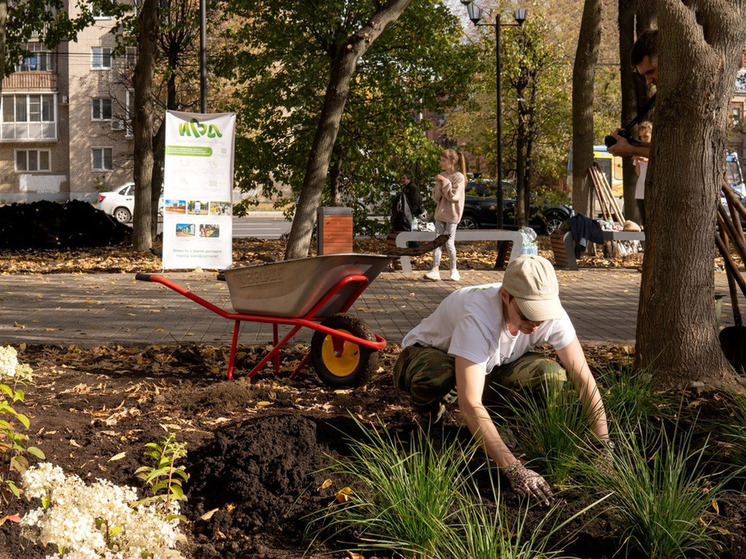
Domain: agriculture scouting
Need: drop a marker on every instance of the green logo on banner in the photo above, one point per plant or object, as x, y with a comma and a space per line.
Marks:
199, 129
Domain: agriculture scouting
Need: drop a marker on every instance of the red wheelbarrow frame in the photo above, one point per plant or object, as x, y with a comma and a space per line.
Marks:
309, 320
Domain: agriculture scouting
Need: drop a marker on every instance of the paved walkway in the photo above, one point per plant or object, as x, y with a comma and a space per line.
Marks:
98, 309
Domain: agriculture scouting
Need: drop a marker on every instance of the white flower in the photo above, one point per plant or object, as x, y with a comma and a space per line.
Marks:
8, 362
79, 518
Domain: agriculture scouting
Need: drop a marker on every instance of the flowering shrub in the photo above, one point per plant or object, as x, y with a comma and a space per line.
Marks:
98, 521
13, 444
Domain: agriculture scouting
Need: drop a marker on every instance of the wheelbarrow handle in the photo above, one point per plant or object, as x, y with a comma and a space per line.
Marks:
142, 276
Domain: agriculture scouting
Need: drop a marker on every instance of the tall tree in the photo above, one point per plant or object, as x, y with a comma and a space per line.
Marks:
584, 71
282, 80
699, 44
344, 62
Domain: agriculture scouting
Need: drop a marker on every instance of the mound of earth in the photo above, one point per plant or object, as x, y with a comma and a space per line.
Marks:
44, 225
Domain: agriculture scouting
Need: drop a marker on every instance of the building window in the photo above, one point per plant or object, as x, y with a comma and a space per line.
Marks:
101, 159
28, 117
98, 12
736, 115
101, 109
39, 59
100, 58
30, 160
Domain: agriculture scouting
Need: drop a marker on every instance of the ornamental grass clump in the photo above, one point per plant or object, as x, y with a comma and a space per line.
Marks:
14, 446
97, 521
548, 426
629, 396
480, 532
661, 493
400, 496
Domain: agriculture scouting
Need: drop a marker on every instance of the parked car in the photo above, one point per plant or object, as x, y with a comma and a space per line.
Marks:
480, 211
120, 203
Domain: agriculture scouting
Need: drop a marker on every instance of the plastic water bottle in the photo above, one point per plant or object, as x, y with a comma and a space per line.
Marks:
415, 224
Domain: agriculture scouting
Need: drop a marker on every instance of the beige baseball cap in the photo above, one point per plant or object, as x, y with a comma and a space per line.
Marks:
533, 283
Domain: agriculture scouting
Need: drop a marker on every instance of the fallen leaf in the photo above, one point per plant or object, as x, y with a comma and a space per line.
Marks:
343, 495
208, 514
326, 484
117, 457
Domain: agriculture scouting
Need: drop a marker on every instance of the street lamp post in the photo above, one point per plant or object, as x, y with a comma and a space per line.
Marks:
475, 15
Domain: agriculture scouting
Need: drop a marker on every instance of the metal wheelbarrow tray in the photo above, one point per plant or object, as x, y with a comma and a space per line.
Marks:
311, 292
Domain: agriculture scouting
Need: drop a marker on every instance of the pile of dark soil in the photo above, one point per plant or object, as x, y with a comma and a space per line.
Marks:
47, 225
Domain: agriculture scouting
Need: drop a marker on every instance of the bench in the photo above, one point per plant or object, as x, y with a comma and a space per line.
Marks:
474, 235
569, 246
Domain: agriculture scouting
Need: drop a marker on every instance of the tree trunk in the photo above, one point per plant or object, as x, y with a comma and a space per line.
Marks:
342, 68
143, 124
629, 100
583, 75
156, 184
699, 51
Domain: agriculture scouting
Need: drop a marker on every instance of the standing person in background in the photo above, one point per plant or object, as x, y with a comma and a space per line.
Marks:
448, 193
641, 168
412, 192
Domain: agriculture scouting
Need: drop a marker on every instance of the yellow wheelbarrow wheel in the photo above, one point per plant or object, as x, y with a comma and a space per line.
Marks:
355, 364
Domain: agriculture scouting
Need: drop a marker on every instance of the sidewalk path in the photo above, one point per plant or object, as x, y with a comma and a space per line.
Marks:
101, 309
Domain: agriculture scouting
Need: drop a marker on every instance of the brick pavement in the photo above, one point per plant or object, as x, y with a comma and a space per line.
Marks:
98, 309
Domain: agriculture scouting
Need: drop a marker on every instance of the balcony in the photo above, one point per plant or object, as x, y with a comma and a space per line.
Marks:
31, 81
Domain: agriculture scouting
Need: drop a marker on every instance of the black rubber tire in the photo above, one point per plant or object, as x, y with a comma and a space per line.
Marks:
356, 365
552, 221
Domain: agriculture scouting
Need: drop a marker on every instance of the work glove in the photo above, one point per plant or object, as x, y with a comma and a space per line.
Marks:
528, 482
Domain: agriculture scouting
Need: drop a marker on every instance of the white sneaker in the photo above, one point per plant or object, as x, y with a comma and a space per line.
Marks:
433, 275
455, 276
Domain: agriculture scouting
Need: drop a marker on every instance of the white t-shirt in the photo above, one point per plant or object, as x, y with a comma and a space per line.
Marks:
469, 323
640, 186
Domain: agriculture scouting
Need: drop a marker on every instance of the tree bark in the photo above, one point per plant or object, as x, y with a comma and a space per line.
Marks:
343, 67
143, 124
699, 50
583, 75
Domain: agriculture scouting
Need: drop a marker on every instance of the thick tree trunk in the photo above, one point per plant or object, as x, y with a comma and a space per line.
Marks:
342, 68
699, 50
583, 75
143, 124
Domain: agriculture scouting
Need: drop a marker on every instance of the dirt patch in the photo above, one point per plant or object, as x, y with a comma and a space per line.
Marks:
256, 448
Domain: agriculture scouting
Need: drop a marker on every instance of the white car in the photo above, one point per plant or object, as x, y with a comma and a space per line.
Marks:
120, 203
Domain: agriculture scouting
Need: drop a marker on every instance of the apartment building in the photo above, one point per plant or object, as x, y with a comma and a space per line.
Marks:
65, 130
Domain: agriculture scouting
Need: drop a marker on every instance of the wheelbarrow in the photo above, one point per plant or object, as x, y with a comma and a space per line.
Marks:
313, 293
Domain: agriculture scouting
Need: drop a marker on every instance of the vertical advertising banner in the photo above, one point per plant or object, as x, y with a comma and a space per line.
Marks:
198, 190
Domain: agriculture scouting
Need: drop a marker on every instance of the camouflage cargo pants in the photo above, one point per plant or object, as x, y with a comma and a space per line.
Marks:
428, 374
